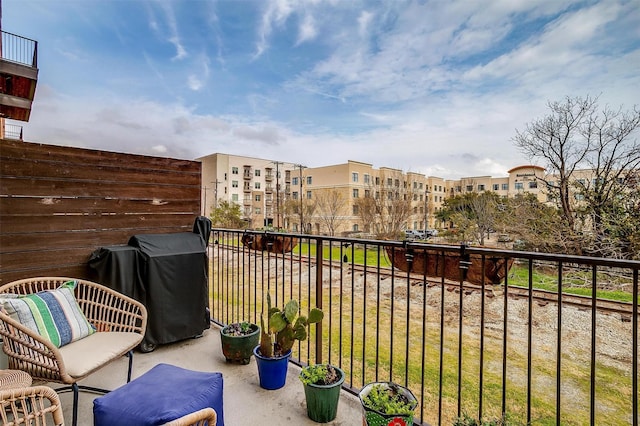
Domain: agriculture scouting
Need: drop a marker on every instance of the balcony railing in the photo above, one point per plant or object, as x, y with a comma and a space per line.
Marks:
12, 131
525, 346
19, 49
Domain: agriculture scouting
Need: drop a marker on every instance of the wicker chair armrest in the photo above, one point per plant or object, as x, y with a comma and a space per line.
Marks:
197, 418
34, 403
109, 310
30, 352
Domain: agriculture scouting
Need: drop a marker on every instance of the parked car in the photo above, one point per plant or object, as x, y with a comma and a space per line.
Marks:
414, 234
431, 233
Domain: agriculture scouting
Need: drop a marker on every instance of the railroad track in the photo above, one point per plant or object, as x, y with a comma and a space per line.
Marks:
539, 296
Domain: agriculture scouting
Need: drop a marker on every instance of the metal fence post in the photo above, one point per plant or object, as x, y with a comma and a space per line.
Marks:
319, 261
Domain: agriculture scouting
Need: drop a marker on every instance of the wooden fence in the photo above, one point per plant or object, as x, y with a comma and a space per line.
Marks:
58, 204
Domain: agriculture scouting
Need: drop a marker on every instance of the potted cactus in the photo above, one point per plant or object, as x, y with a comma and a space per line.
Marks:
283, 328
322, 384
387, 404
238, 340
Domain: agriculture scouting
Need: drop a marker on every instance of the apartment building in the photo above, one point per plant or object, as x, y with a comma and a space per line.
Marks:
520, 179
324, 200
259, 186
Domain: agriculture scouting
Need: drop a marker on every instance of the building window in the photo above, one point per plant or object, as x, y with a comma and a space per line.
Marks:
294, 181
389, 182
481, 187
309, 180
294, 195
355, 209
225, 176
356, 193
469, 188
257, 172
496, 186
367, 193
257, 186
415, 197
234, 198
309, 196
355, 227
258, 210
397, 182
234, 183
420, 185
533, 185
377, 180
367, 179
354, 177
415, 185
519, 186
257, 197
505, 186
234, 170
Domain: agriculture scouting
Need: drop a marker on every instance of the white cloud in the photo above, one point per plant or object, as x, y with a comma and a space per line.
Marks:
307, 30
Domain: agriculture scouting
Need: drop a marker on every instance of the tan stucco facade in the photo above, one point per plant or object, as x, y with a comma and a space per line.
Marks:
253, 184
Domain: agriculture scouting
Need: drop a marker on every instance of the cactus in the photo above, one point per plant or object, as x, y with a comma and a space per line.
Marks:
283, 328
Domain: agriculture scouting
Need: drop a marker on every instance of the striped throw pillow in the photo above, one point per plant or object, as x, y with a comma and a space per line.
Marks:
53, 314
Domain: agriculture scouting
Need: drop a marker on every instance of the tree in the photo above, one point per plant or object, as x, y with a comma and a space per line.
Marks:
576, 136
386, 206
330, 208
227, 215
474, 215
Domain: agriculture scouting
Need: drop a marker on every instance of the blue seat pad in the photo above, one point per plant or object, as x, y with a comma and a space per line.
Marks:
162, 394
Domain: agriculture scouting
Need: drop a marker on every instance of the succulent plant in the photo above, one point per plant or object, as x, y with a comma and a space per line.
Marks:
284, 328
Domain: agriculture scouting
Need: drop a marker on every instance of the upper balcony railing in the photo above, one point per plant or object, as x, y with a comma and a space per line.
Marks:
19, 49
537, 338
12, 131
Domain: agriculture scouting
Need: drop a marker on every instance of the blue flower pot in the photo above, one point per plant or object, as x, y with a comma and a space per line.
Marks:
272, 371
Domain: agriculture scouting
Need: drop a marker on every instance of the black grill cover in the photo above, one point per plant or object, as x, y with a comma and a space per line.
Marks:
117, 268
173, 269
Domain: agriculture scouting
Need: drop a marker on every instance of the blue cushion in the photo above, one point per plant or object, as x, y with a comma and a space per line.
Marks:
162, 394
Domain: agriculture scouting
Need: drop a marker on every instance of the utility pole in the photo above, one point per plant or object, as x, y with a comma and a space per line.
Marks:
277, 163
426, 209
301, 167
215, 193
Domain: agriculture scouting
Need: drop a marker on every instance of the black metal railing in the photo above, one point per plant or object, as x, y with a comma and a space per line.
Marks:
19, 49
530, 337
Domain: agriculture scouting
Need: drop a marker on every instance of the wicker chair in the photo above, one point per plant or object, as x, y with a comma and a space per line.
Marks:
120, 322
204, 417
31, 405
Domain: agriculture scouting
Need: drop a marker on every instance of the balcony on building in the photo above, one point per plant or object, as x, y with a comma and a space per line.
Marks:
11, 131
247, 172
18, 76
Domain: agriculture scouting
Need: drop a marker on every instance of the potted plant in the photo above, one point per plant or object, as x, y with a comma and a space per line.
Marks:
322, 384
387, 403
238, 340
284, 327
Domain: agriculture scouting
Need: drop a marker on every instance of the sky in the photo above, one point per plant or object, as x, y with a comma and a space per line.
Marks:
425, 86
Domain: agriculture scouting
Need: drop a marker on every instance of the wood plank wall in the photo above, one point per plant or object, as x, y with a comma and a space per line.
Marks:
58, 204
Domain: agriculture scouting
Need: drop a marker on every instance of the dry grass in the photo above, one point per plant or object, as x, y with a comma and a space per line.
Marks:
369, 324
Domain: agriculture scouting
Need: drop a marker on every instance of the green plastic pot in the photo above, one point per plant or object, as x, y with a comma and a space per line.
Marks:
372, 417
322, 400
238, 349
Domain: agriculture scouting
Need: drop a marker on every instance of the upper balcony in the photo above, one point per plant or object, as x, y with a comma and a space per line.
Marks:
18, 76
11, 131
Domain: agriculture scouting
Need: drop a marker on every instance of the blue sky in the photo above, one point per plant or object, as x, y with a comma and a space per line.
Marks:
434, 87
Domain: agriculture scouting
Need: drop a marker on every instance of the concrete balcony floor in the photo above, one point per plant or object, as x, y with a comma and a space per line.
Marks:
245, 403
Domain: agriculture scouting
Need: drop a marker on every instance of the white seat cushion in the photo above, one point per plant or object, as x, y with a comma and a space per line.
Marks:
85, 355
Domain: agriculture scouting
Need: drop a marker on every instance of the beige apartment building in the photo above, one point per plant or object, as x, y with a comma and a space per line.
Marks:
257, 185
278, 194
